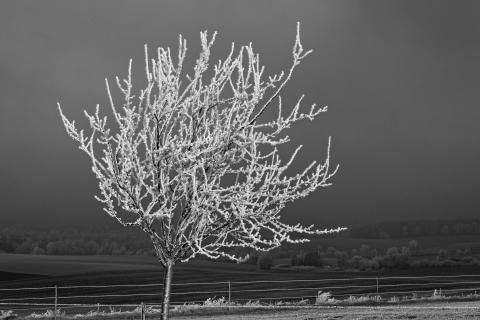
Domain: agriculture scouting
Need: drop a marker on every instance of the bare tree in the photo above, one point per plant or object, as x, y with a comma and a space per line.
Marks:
191, 163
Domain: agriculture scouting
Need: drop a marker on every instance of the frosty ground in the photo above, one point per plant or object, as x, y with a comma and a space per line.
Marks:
441, 311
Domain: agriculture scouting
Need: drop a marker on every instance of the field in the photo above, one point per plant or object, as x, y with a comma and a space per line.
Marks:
130, 280
437, 311
121, 280
44, 265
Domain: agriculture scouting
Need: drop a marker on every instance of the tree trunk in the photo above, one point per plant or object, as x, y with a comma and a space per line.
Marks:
167, 283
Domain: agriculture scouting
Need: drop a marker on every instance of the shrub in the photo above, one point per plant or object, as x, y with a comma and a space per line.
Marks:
358, 300
324, 297
265, 261
312, 259
365, 251
395, 258
331, 251
38, 250
7, 315
252, 258
342, 258
355, 262
437, 294
413, 245
442, 255
297, 259
212, 302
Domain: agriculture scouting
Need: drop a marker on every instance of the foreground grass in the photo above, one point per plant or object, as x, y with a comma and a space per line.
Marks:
437, 310
364, 307
440, 311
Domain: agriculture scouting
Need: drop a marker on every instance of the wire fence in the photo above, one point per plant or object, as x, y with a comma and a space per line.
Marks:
75, 298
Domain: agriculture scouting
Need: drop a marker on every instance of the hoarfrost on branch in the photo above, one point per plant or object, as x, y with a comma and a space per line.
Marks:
192, 164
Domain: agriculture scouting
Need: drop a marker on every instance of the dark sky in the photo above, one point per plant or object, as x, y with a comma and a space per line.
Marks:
401, 79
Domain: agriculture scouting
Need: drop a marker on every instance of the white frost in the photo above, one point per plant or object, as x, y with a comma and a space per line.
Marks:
192, 163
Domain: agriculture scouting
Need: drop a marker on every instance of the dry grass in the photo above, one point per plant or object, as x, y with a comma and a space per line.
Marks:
440, 311
325, 307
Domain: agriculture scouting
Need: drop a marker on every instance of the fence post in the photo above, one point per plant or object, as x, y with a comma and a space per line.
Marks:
56, 299
98, 307
377, 286
142, 311
229, 292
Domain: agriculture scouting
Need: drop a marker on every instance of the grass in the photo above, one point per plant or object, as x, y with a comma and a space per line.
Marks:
221, 307
213, 277
422, 311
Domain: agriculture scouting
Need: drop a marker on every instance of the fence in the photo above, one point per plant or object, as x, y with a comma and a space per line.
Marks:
131, 296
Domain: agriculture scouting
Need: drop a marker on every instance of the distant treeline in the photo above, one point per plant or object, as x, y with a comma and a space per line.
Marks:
365, 258
103, 241
417, 228
74, 242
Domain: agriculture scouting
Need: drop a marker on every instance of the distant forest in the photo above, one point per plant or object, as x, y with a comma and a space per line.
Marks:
417, 228
134, 242
74, 241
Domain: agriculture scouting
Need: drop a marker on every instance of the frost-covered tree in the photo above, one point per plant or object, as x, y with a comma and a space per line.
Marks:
192, 161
